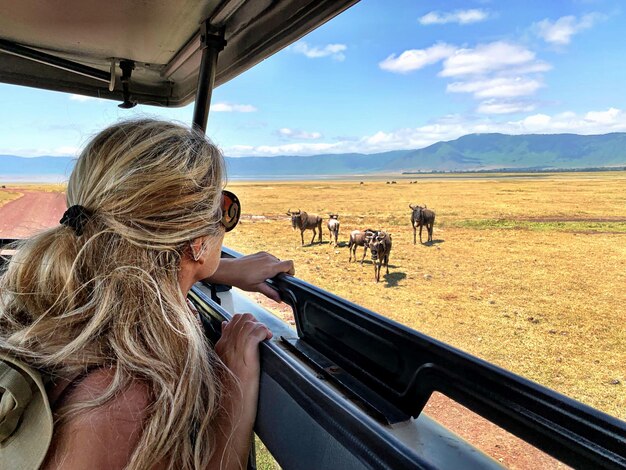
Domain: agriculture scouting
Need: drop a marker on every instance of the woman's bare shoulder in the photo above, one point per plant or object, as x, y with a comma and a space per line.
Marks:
105, 436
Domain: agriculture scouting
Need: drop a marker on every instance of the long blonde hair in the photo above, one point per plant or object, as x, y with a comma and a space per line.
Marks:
111, 298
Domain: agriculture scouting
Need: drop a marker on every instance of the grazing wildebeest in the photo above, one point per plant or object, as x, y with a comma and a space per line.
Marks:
304, 221
419, 217
359, 238
380, 246
333, 227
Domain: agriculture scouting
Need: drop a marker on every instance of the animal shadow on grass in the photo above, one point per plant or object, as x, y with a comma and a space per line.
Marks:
342, 244
394, 278
315, 243
370, 262
434, 242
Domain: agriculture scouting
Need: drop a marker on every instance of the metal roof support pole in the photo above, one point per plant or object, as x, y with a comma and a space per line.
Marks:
53, 61
211, 43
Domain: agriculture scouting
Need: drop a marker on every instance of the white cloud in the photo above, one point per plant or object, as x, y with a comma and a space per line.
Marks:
450, 128
232, 108
415, 59
283, 149
537, 66
69, 150
497, 70
500, 87
334, 51
610, 116
536, 122
60, 151
499, 56
298, 134
458, 16
504, 107
487, 58
560, 32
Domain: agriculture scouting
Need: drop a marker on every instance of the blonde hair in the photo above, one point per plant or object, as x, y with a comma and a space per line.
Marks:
111, 297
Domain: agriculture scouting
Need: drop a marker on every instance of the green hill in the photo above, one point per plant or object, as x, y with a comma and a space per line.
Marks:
492, 151
470, 152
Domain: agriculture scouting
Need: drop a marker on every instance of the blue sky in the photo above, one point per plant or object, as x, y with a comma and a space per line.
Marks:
385, 76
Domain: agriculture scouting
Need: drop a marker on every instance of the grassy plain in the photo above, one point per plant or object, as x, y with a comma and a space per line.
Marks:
7, 196
526, 272
8, 193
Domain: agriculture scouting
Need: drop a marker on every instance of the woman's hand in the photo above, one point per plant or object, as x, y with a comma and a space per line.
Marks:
238, 346
239, 350
250, 272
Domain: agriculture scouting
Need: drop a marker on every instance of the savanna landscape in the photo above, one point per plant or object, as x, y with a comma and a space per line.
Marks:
525, 270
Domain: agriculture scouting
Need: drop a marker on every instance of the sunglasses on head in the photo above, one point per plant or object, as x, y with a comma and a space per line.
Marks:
231, 210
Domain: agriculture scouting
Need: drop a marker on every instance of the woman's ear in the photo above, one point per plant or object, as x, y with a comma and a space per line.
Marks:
197, 247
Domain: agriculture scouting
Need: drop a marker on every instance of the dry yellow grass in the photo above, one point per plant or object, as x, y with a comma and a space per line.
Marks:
44, 187
6, 196
528, 273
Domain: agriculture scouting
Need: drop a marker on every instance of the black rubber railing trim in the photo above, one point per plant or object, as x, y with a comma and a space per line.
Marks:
373, 448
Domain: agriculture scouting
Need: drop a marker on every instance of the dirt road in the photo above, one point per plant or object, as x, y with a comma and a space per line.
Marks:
32, 212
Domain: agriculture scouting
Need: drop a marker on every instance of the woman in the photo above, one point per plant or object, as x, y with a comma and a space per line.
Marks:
98, 305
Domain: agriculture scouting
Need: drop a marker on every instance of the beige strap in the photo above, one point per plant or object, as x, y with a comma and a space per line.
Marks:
16, 394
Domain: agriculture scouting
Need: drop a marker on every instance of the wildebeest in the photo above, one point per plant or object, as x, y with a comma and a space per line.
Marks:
333, 227
380, 246
419, 217
304, 221
359, 238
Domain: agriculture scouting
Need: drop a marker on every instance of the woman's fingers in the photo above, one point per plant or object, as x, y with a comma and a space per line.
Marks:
239, 345
238, 324
253, 270
287, 266
242, 325
231, 330
257, 334
268, 291
260, 332
273, 265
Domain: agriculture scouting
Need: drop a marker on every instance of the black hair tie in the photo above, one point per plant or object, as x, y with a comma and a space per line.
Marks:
76, 217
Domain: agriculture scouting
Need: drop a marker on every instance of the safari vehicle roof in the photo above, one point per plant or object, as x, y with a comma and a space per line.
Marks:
162, 37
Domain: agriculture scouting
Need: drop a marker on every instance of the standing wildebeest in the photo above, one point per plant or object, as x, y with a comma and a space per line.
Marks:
419, 217
380, 246
305, 221
359, 238
333, 227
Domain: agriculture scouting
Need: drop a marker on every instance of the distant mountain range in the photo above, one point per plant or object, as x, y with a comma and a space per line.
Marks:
470, 152
35, 168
